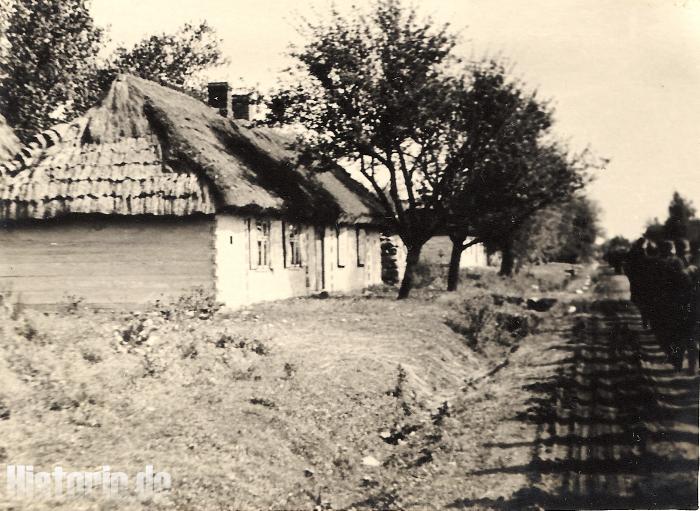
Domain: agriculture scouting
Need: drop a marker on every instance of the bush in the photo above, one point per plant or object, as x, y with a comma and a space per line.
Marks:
484, 324
73, 303
25, 328
426, 274
136, 332
197, 304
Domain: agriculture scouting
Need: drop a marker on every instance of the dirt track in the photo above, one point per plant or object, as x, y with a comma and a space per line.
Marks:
603, 422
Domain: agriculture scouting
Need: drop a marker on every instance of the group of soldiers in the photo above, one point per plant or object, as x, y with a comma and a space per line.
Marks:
665, 286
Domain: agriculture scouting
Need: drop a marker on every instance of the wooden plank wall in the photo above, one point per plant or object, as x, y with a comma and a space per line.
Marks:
107, 261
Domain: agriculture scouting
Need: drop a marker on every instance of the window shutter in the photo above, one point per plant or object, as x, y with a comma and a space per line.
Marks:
252, 244
303, 247
285, 249
269, 244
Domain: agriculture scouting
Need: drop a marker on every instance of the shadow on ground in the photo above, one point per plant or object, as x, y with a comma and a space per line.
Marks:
616, 426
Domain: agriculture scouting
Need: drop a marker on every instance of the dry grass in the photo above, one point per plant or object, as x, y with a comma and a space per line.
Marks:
271, 407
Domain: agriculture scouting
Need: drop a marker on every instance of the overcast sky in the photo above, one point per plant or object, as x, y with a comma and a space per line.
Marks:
624, 74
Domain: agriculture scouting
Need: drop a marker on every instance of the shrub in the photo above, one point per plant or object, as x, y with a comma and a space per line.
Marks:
73, 303
397, 391
135, 332
480, 322
26, 329
254, 345
197, 304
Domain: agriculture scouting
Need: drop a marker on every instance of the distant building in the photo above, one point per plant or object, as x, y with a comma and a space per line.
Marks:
439, 248
153, 193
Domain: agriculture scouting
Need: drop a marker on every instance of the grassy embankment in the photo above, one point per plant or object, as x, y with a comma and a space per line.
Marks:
285, 405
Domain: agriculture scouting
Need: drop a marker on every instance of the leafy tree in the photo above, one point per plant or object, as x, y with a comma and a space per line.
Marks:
5, 9
680, 212
503, 126
615, 250
538, 238
503, 194
616, 243
655, 230
578, 230
380, 93
173, 59
512, 169
51, 53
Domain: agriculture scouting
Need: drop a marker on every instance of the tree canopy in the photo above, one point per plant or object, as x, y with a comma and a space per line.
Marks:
445, 146
513, 167
175, 59
566, 232
49, 66
51, 53
615, 251
578, 231
379, 91
680, 212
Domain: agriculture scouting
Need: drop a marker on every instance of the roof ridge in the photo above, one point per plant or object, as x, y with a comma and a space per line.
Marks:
230, 165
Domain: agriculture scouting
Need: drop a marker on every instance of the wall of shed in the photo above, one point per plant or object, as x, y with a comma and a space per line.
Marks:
238, 284
439, 248
436, 251
107, 260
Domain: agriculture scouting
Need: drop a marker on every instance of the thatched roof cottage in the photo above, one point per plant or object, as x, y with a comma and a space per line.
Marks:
153, 193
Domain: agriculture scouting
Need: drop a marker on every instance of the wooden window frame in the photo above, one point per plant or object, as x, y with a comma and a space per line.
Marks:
292, 245
361, 234
259, 253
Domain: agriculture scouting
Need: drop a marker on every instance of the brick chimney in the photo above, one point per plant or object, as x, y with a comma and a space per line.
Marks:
240, 106
220, 97
233, 106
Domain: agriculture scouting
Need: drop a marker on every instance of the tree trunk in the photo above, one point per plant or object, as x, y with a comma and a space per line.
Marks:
455, 258
412, 258
507, 259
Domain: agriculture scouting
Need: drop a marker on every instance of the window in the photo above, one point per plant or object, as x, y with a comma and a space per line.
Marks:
291, 239
361, 243
259, 235
341, 236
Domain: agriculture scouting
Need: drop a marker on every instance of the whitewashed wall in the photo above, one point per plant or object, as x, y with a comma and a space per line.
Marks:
438, 250
474, 256
238, 284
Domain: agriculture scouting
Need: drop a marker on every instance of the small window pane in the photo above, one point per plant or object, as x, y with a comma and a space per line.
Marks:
361, 239
292, 245
341, 245
262, 242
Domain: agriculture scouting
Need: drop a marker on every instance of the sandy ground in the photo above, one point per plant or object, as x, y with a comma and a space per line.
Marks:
598, 420
359, 402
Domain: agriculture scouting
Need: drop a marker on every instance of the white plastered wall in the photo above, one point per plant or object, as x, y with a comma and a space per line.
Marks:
238, 284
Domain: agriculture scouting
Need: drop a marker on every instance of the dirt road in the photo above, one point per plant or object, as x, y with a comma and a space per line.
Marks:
599, 419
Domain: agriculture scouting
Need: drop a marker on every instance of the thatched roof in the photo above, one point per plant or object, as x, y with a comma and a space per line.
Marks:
147, 149
9, 144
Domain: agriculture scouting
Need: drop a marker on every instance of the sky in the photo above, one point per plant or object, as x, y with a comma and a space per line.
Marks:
623, 75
